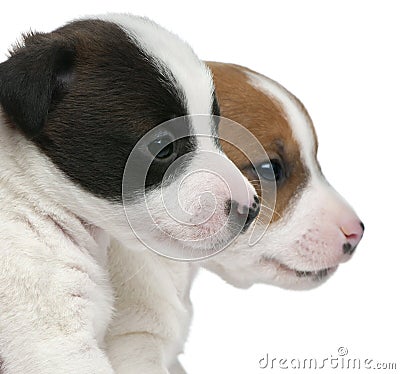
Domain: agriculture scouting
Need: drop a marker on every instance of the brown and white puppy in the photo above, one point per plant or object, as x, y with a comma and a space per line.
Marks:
312, 231
313, 228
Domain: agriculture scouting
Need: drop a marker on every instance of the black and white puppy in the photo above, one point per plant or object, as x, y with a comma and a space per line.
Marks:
74, 103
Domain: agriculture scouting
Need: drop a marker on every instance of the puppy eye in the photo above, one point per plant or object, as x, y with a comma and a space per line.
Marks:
162, 148
270, 170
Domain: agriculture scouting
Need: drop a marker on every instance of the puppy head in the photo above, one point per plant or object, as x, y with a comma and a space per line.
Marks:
84, 96
313, 229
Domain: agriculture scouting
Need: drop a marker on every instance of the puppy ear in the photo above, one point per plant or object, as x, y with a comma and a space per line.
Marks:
34, 78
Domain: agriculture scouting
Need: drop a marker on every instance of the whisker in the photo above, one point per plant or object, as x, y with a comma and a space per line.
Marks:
133, 275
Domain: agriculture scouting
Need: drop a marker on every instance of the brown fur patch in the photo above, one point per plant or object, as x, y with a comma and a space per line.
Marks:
265, 118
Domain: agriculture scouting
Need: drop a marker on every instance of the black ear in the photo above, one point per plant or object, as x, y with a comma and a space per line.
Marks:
34, 78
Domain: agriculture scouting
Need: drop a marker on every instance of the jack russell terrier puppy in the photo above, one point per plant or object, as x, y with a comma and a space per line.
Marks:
74, 103
312, 231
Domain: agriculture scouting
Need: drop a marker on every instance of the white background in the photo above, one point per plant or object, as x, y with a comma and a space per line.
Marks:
341, 58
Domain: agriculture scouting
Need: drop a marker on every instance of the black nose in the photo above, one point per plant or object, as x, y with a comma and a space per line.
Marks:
252, 214
348, 249
236, 213
362, 226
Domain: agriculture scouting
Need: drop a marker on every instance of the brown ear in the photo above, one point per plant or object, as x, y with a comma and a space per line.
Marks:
35, 76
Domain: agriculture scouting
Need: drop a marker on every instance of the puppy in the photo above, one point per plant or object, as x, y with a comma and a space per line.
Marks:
312, 230
74, 103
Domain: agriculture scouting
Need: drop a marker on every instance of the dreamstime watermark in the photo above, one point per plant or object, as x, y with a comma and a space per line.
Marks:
341, 360
184, 198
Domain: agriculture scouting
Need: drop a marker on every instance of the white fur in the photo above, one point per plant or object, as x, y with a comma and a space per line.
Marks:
56, 299
153, 310
307, 238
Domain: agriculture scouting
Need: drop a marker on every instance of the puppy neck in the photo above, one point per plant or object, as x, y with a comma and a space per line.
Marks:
29, 191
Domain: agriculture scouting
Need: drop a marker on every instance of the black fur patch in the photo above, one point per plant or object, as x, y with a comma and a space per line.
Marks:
215, 106
85, 94
215, 110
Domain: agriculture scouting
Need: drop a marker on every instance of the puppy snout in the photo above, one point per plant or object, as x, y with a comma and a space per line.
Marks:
353, 232
244, 214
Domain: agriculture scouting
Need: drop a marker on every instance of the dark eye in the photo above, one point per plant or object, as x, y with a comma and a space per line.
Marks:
270, 170
162, 148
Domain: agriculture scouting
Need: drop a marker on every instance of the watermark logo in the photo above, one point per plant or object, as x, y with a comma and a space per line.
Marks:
185, 199
341, 360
